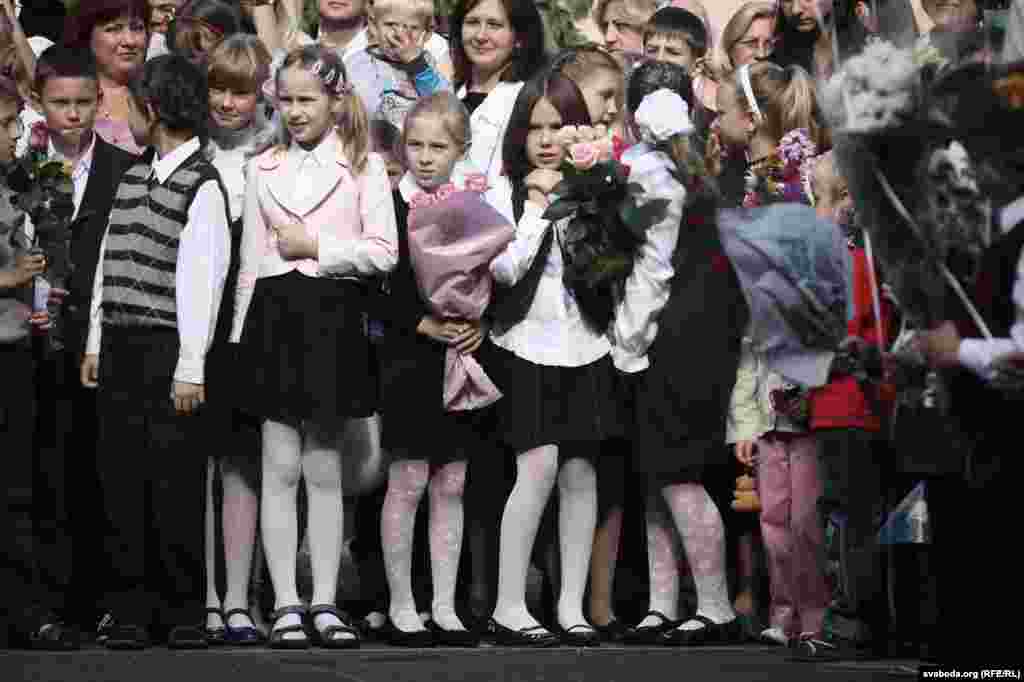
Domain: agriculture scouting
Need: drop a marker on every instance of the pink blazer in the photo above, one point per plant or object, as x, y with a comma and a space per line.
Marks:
353, 219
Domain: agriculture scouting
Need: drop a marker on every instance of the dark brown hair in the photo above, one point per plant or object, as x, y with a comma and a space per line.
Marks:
78, 27
525, 22
565, 97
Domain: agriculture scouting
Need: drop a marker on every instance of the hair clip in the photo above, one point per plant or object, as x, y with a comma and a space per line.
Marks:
316, 67
329, 77
748, 90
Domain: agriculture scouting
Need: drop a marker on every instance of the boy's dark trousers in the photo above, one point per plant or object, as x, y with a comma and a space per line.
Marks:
152, 467
24, 606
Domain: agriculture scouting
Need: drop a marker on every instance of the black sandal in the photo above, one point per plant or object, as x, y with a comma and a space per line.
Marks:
277, 635
650, 634
730, 632
536, 636
587, 636
215, 636
243, 635
326, 638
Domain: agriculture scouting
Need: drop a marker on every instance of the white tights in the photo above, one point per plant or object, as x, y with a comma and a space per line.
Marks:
239, 514
407, 481
536, 472
700, 528
291, 453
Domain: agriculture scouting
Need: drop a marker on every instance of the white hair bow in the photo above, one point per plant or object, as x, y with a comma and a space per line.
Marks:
662, 115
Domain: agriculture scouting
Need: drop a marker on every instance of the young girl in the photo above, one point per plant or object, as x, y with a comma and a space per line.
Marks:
199, 26
600, 80
318, 222
556, 375
417, 343
768, 413
236, 69
776, 105
683, 353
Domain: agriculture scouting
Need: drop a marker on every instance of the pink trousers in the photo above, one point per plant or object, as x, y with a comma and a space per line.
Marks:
789, 486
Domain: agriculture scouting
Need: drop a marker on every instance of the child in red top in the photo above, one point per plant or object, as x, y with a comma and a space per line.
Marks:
846, 417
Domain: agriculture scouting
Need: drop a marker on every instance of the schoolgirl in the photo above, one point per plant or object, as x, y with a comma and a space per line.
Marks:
236, 69
318, 222
678, 332
600, 80
553, 366
417, 344
769, 414
496, 45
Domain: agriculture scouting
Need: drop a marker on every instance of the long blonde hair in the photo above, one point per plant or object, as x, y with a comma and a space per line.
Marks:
787, 99
352, 124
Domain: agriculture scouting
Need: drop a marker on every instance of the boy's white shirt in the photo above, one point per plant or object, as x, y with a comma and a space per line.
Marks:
204, 254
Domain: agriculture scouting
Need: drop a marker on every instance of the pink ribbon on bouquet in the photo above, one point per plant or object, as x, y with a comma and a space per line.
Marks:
453, 237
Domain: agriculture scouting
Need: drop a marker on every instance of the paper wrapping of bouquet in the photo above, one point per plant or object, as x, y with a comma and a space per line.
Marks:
451, 245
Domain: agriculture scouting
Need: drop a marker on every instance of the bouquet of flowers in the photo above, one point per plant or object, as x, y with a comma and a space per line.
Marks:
781, 176
454, 234
45, 192
606, 222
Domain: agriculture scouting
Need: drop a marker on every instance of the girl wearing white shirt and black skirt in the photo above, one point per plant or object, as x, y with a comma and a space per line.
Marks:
552, 364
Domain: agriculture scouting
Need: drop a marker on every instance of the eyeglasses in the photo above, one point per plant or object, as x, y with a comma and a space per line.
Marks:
14, 127
763, 46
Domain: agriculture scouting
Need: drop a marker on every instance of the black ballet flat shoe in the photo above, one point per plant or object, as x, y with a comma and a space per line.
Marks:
650, 634
414, 639
730, 632
612, 631
187, 637
50, 636
218, 635
586, 636
277, 638
243, 635
455, 638
126, 638
327, 638
535, 637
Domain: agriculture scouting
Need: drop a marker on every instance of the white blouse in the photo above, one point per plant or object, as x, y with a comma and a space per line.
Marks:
230, 163
553, 332
488, 124
648, 287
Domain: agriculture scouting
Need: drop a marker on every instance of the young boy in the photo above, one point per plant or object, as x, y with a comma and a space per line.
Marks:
390, 75
164, 261
66, 92
27, 613
677, 36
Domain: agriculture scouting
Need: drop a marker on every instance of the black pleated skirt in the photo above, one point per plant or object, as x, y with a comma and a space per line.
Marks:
546, 405
304, 351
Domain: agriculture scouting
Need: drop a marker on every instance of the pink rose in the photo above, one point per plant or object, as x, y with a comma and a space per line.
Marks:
444, 191
476, 182
39, 136
584, 155
605, 149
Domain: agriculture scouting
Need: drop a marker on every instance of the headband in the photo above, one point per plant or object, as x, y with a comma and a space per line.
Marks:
743, 76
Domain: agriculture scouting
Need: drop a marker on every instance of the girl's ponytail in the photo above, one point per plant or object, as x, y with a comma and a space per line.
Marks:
354, 129
798, 103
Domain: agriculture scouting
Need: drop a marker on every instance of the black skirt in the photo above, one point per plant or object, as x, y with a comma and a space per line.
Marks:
304, 351
683, 398
546, 405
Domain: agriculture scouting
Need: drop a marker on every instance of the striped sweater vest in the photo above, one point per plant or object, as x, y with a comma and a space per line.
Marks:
141, 258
